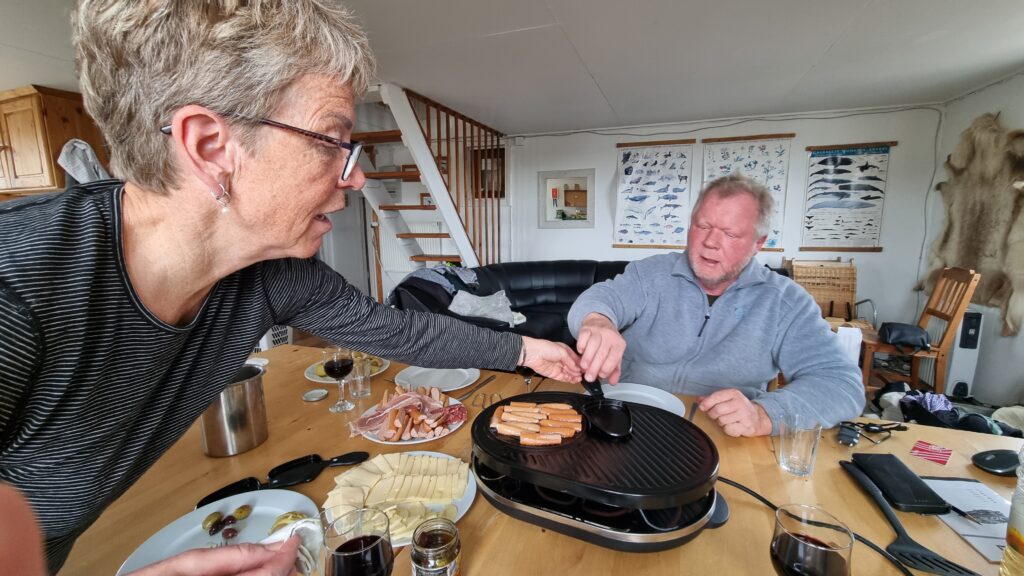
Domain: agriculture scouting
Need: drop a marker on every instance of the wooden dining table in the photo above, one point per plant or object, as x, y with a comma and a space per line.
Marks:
497, 544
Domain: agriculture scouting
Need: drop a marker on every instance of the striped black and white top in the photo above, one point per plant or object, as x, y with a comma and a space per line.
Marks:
94, 388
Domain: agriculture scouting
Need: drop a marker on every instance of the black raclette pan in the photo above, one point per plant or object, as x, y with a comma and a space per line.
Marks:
298, 471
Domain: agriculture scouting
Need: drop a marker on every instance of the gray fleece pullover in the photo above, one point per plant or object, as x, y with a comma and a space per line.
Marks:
764, 323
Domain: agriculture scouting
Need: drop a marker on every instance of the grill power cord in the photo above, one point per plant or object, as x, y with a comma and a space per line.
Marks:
857, 537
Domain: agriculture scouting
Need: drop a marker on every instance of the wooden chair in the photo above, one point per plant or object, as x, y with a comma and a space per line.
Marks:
948, 302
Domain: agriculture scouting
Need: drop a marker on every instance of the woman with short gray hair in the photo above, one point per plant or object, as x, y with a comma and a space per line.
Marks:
127, 305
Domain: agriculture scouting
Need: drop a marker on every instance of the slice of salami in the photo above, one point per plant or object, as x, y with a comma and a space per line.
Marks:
457, 414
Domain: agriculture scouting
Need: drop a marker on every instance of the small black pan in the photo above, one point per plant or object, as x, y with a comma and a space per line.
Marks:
606, 417
297, 471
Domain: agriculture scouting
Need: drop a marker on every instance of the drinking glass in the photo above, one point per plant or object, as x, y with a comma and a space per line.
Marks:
527, 373
358, 544
809, 541
798, 444
359, 379
338, 364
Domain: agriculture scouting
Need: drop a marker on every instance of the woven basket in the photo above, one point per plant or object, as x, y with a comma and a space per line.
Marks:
833, 285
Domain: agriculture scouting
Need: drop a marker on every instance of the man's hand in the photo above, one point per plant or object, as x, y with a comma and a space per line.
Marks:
552, 359
736, 414
276, 559
601, 348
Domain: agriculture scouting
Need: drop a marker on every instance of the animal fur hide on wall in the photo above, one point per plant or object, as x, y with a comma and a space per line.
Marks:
984, 227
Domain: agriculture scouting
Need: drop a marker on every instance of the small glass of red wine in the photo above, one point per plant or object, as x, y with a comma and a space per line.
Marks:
809, 541
338, 365
358, 544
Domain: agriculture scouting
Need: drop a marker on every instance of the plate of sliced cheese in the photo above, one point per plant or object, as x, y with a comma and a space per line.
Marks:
409, 487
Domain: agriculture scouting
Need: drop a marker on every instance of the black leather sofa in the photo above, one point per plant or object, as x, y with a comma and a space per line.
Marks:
543, 291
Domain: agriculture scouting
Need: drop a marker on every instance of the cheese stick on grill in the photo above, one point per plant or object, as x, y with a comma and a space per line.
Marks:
565, 417
520, 417
496, 417
563, 432
534, 439
577, 426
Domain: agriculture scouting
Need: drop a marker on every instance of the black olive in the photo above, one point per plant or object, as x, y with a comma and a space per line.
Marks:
229, 533
229, 520
216, 526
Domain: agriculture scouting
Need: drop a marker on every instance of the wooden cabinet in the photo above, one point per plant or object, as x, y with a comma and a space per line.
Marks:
35, 123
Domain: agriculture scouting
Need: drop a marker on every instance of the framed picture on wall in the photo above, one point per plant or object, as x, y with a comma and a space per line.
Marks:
489, 172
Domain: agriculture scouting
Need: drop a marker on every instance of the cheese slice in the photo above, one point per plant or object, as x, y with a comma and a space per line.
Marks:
363, 477
394, 461
403, 492
395, 487
415, 491
347, 495
380, 491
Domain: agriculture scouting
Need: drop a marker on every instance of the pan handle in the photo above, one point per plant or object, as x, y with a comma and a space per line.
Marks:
244, 485
348, 459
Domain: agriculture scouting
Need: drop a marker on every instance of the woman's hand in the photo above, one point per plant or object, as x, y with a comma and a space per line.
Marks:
277, 559
601, 347
552, 359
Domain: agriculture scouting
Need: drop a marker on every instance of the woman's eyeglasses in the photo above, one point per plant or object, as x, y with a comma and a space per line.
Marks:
354, 148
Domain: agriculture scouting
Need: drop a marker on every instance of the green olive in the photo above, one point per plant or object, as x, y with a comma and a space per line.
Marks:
286, 519
242, 512
212, 519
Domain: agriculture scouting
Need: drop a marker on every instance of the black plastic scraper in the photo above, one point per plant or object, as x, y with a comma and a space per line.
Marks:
606, 417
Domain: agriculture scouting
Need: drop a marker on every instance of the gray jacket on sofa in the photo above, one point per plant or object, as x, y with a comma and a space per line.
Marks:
762, 324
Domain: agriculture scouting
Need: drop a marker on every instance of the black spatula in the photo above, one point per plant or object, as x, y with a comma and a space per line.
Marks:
905, 549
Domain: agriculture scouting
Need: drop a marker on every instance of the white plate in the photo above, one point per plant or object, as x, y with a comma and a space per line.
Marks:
444, 379
373, 437
461, 505
310, 373
187, 532
643, 394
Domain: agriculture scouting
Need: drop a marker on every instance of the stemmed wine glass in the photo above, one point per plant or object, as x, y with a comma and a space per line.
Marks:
527, 373
809, 541
358, 544
338, 364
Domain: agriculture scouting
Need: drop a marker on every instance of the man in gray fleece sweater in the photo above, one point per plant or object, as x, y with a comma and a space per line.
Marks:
713, 323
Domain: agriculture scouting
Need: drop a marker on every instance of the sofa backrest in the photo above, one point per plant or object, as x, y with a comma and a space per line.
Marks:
544, 281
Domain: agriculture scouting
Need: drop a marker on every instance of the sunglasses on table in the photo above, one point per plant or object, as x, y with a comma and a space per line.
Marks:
354, 148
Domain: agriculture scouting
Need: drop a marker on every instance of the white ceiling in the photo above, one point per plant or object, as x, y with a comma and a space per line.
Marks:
525, 66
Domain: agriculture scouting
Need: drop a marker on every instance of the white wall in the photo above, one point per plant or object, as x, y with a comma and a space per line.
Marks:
887, 277
999, 378
35, 44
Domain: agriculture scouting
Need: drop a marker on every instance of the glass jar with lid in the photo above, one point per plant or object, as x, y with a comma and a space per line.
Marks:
436, 549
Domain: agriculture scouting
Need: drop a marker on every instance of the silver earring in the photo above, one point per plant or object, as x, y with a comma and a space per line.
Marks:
222, 197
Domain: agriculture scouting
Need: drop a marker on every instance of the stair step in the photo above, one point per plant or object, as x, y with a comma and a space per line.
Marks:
381, 137
407, 207
423, 235
436, 258
403, 175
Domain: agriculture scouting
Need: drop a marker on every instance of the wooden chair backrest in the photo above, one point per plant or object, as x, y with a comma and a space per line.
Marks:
949, 300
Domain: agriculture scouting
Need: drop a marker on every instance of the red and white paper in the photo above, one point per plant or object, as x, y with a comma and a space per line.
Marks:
931, 452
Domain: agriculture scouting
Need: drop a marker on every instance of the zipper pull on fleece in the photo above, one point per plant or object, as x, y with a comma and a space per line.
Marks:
706, 317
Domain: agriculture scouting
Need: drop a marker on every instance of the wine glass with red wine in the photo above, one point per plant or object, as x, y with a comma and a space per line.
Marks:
810, 542
358, 544
338, 365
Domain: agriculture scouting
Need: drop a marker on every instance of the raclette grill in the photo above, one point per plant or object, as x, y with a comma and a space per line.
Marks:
652, 490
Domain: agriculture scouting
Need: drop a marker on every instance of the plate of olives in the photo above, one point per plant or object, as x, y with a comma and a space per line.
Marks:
242, 518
